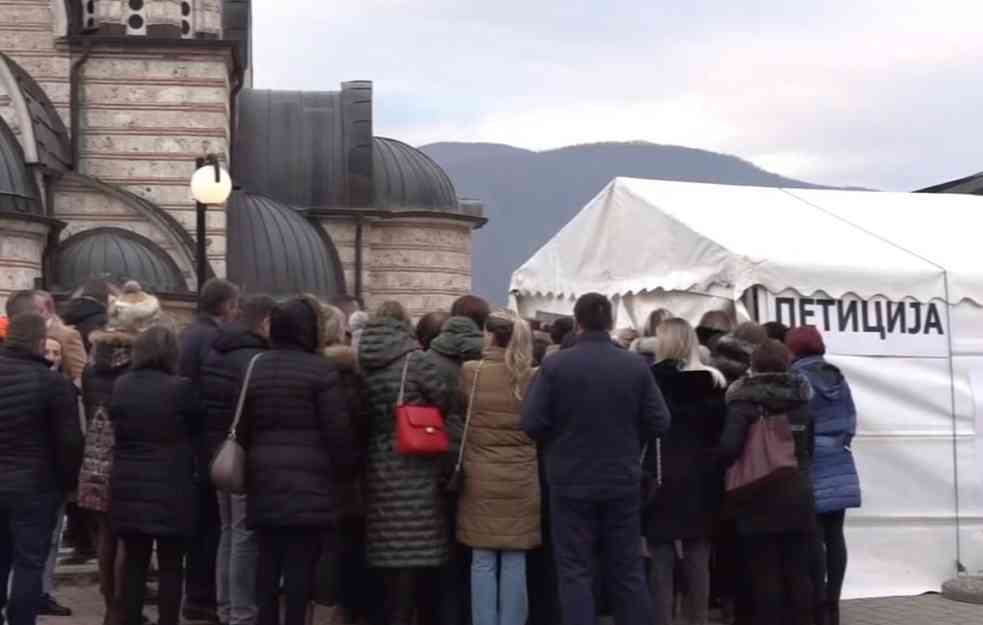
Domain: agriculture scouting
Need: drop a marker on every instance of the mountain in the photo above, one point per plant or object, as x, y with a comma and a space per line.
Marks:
529, 196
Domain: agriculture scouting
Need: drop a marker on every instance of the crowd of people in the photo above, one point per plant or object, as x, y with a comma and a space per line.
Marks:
475, 468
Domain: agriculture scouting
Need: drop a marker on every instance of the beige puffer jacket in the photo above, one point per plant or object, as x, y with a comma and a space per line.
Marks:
499, 506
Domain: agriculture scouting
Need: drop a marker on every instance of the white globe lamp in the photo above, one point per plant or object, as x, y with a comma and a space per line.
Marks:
207, 190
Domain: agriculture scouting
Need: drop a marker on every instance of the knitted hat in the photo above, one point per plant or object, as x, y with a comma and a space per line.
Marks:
805, 341
134, 311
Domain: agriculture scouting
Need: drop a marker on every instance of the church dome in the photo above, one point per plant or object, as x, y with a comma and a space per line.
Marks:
274, 250
18, 193
406, 179
117, 255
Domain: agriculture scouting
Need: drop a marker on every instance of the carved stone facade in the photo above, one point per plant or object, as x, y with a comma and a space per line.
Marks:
150, 86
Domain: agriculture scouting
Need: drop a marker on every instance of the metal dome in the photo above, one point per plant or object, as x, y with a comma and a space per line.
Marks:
407, 179
46, 139
118, 255
18, 193
273, 249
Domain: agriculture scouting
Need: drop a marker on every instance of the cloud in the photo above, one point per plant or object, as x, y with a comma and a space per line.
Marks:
840, 92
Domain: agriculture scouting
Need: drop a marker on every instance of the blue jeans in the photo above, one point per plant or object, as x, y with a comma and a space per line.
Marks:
235, 572
26, 525
498, 599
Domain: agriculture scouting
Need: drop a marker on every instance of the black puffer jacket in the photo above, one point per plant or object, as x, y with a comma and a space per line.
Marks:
297, 428
406, 524
196, 342
40, 440
86, 315
221, 379
692, 477
784, 502
155, 417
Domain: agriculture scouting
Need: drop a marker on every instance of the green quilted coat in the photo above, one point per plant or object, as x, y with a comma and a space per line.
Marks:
406, 523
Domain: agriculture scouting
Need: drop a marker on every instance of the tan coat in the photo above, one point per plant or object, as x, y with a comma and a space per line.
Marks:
500, 499
74, 358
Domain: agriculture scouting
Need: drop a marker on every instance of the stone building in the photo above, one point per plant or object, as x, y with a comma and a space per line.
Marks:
106, 104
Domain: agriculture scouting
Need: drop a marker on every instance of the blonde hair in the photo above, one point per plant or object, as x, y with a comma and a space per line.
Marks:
676, 340
392, 310
334, 326
657, 317
514, 334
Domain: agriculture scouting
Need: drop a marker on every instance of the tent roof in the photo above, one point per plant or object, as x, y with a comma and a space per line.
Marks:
645, 235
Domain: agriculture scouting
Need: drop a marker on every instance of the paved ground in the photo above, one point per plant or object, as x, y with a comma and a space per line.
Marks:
927, 610
78, 590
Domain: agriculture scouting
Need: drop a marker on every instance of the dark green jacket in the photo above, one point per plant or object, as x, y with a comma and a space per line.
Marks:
406, 524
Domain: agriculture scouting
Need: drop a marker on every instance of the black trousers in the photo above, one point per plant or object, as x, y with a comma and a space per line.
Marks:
203, 552
582, 528
830, 563
138, 548
411, 596
291, 555
781, 577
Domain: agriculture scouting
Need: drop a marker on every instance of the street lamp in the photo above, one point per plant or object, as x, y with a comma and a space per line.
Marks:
210, 184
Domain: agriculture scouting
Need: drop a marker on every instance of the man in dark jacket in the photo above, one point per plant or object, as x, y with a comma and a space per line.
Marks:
221, 381
460, 340
41, 448
595, 407
218, 305
87, 312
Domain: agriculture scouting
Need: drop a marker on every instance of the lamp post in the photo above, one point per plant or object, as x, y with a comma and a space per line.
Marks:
210, 184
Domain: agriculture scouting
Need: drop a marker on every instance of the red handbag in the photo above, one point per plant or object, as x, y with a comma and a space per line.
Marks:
420, 430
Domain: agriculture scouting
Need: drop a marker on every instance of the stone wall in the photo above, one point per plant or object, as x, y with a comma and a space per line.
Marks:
21, 251
147, 114
423, 263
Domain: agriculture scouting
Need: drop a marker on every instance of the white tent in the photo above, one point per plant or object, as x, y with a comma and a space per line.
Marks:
874, 271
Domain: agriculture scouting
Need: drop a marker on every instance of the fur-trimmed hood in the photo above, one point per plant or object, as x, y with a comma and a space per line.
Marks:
134, 311
732, 356
776, 392
111, 351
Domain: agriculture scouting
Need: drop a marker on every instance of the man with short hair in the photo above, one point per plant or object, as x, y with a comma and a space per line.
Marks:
595, 407
73, 349
41, 447
218, 306
221, 379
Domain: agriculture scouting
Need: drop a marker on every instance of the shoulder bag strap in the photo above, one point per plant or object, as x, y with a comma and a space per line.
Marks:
402, 382
233, 431
467, 420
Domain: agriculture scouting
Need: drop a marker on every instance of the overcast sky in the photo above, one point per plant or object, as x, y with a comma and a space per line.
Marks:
879, 93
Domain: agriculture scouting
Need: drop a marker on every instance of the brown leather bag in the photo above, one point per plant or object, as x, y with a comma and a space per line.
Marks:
769, 448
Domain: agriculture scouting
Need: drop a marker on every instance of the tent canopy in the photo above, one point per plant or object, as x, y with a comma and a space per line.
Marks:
640, 236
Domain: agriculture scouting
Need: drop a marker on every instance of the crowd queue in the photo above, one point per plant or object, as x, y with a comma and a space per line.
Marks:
475, 468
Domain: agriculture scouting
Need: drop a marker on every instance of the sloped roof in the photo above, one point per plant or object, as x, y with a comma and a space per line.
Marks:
118, 255
48, 141
972, 185
18, 192
644, 235
273, 249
